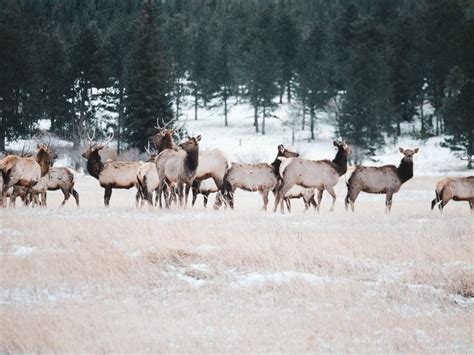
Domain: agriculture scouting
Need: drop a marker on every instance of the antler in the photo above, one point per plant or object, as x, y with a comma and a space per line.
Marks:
109, 139
177, 130
89, 138
165, 126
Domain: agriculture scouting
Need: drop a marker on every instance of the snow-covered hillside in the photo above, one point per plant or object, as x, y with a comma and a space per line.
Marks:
242, 144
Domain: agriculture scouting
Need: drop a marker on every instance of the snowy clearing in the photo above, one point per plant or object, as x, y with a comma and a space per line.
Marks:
221, 281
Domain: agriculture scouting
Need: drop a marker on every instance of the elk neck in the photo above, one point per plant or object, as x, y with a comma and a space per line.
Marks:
192, 158
166, 143
405, 170
340, 161
276, 164
43, 160
94, 164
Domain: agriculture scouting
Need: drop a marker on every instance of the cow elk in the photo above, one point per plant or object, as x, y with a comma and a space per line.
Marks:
25, 171
255, 177
385, 179
147, 176
315, 174
178, 167
456, 189
60, 178
111, 174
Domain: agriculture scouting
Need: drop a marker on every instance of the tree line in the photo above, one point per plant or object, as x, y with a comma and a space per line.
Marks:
125, 63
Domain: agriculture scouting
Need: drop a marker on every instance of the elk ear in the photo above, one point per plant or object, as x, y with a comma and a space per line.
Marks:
38, 146
415, 150
198, 138
335, 143
401, 150
163, 133
281, 148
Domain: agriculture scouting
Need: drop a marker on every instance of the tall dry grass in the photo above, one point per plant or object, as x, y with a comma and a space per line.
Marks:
128, 280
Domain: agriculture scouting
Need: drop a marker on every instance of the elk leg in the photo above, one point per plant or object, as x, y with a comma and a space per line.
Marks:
281, 195
75, 194
66, 196
288, 204
320, 198
107, 195
330, 190
351, 198
44, 196
195, 194
218, 201
206, 197
265, 193
471, 205
312, 201
186, 194
388, 201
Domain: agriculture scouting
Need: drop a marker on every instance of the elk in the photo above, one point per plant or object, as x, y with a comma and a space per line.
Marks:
385, 179
60, 178
205, 188
316, 174
300, 192
254, 177
112, 174
178, 167
147, 176
456, 189
25, 171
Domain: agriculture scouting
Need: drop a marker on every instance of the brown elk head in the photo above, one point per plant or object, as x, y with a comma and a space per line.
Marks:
191, 144
94, 148
44, 157
342, 147
408, 154
163, 139
283, 152
94, 163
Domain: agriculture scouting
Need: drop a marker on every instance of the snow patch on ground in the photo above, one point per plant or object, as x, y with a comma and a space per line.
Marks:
258, 279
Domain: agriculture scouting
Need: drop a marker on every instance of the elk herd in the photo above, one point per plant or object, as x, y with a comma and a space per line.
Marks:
173, 170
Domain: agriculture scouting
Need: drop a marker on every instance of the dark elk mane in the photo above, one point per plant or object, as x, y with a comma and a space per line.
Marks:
405, 170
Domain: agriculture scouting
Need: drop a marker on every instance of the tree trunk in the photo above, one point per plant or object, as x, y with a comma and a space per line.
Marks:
225, 110
263, 121
2, 132
303, 122
282, 91
120, 118
178, 98
255, 117
422, 117
399, 130
288, 91
195, 106
313, 118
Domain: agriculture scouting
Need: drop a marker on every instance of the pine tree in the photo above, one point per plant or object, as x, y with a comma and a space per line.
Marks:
87, 60
366, 101
148, 96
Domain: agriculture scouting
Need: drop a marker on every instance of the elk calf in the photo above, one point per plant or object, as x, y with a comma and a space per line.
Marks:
456, 189
300, 192
385, 179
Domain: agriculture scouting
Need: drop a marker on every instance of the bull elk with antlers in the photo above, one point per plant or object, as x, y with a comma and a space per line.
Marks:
25, 171
112, 174
385, 179
456, 189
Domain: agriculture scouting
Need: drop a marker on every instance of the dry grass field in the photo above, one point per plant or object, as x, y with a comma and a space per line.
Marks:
146, 280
